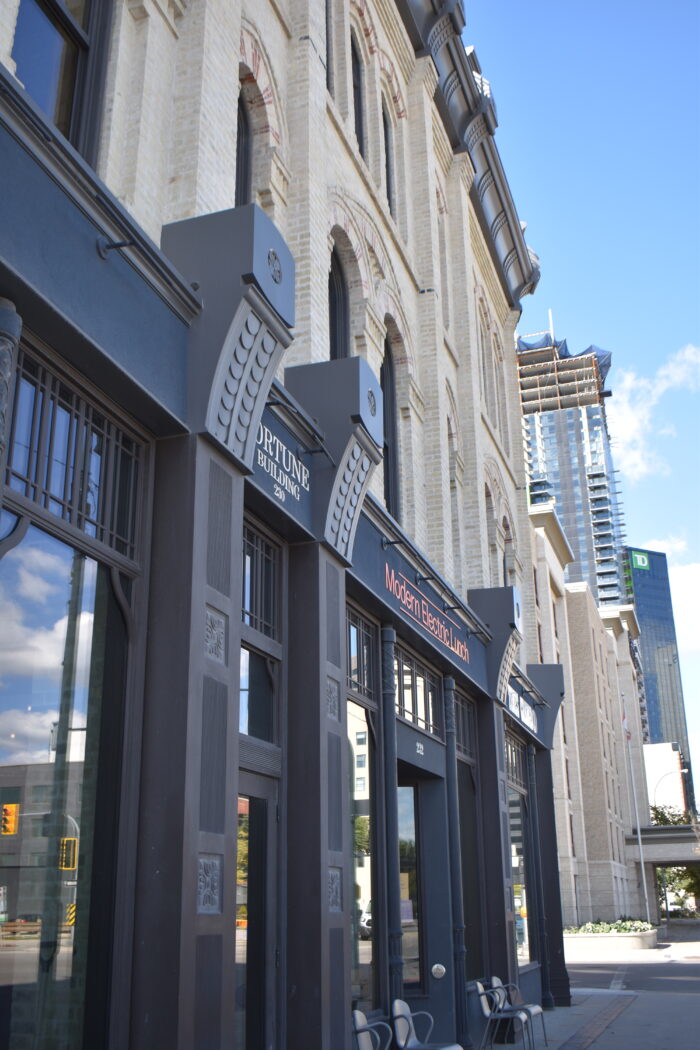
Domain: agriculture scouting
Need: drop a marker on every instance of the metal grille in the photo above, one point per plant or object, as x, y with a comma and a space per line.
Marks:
72, 460
361, 654
417, 693
465, 717
260, 583
516, 770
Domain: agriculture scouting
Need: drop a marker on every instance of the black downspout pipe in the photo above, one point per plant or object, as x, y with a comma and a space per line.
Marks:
391, 795
547, 997
459, 949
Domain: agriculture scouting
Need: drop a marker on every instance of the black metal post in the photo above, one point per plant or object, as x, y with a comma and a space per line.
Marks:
547, 997
458, 946
391, 796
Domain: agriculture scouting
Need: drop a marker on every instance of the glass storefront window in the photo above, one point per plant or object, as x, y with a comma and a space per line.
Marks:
517, 816
409, 881
363, 940
63, 650
250, 922
72, 460
417, 693
257, 707
260, 583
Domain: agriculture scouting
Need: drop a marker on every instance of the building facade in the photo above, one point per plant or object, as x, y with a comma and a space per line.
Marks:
646, 575
276, 735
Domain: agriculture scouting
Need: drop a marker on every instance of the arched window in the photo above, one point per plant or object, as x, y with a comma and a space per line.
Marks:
244, 155
329, 47
388, 159
338, 310
357, 95
387, 382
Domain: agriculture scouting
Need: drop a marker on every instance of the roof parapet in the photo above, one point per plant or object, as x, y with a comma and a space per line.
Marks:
469, 113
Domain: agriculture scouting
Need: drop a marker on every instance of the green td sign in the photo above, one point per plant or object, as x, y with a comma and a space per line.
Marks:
640, 560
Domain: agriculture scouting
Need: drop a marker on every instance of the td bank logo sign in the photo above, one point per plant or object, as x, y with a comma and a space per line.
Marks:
640, 560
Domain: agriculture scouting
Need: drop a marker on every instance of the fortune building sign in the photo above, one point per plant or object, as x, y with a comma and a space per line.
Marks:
279, 469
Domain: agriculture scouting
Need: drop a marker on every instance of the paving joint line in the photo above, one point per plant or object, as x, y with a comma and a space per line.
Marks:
597, 1025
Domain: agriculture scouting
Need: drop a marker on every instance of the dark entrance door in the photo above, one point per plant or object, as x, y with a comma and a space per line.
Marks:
256, 916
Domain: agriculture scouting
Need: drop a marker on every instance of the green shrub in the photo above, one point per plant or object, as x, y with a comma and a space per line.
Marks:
620, 926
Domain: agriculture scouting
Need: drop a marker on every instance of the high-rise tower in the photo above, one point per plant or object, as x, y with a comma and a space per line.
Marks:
647, 582
568, 456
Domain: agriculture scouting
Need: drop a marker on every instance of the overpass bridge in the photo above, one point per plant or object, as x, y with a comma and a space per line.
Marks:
666, 845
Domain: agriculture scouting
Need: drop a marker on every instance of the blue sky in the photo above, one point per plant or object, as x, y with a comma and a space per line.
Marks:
599, 132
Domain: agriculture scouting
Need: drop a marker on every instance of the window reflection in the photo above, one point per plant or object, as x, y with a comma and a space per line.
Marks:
62, 659
363, 965
250, 922
517, 816
410, 902
256, 715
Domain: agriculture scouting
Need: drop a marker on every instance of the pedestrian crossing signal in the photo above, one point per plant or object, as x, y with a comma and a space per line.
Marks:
68, 854
10, 818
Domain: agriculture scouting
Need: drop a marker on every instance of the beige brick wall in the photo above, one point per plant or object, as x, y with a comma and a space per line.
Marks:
422, 274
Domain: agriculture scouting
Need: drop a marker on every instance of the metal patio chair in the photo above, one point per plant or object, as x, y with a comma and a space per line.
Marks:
366, 1032
405, 1032
496, 1013
511, 995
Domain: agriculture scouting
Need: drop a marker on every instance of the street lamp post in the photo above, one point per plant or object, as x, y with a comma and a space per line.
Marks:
670, 773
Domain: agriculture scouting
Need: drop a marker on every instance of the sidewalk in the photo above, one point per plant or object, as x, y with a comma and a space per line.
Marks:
618, 1019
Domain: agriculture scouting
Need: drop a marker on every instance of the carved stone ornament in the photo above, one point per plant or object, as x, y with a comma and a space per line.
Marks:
335, 889
351, 482
333, 699
215, 635
10, 328
246, 369
504, 673
209, 883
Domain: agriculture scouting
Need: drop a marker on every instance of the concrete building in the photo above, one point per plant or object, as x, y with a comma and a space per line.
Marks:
646, 575
265, 543
610, 751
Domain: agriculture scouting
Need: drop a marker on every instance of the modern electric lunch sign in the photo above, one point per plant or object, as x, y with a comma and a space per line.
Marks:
418, 607
640, 560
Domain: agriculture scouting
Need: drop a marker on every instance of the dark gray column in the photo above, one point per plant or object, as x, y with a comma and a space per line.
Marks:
393, 867
459, 950
10, 330
183, 972
499, 956
558, 976
541, 923
320, 885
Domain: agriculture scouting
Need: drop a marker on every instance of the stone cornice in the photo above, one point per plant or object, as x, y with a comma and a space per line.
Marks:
469, 114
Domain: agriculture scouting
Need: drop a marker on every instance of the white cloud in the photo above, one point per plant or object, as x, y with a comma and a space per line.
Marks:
35, 567
685, 587
632, 416
671, 546
38, 652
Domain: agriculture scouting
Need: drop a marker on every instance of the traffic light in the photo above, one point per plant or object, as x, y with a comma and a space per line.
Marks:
68, 854
10, 818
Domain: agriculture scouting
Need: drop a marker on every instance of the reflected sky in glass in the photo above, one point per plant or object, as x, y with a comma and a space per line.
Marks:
35, 592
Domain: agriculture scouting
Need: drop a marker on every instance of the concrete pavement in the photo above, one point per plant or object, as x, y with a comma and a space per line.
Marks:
622, 1018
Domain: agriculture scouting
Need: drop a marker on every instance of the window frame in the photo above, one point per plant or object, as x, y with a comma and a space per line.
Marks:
87, 94
244, 154
387, 382
357, 76
338, 309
